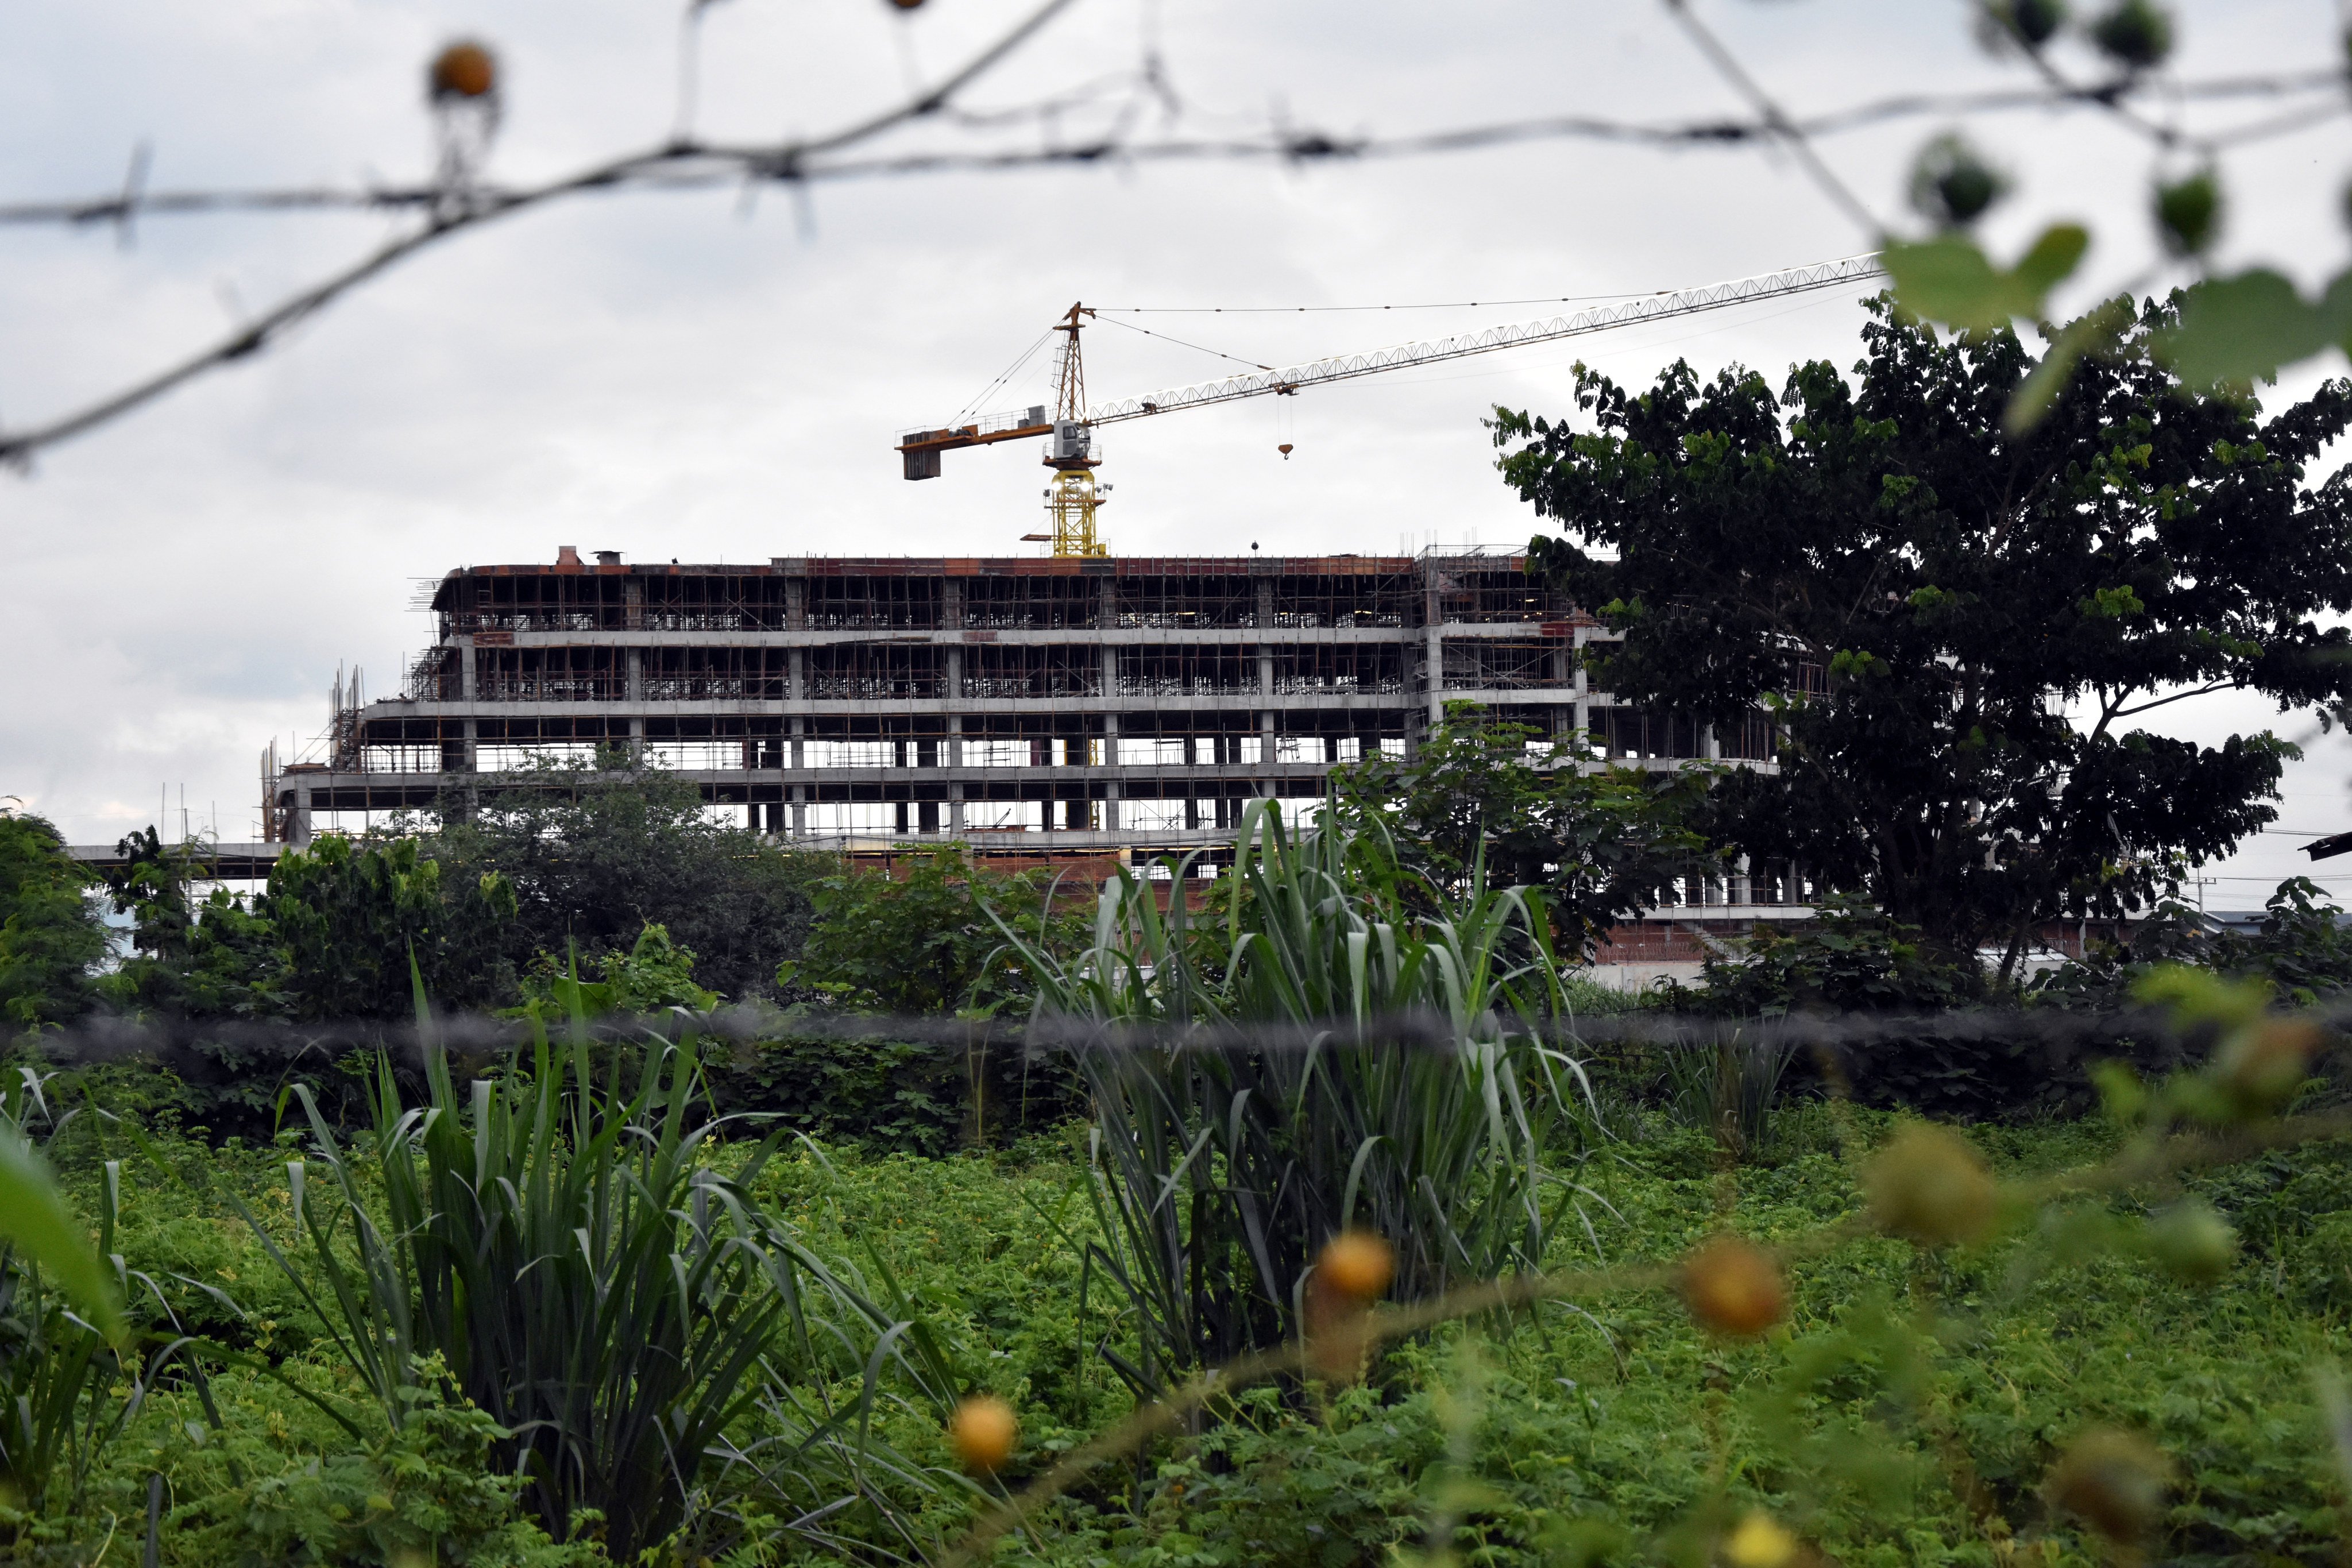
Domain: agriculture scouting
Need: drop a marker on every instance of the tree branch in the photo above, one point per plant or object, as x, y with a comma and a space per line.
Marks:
2210, 687
1790, 136
455, 211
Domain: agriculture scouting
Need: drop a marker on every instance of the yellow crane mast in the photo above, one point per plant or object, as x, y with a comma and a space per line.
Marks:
1072, 497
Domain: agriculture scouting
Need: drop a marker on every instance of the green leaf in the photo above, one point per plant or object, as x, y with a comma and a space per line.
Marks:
2052, 259
2243, 328
33, 1217
1948, 280
2043, 384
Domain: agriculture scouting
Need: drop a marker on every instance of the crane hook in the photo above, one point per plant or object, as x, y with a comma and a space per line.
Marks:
1284, 450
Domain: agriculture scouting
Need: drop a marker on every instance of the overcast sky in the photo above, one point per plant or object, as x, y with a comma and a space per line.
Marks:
719, 376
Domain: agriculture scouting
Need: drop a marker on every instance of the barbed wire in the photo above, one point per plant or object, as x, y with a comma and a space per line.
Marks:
109, 1037
686, 165
685, 162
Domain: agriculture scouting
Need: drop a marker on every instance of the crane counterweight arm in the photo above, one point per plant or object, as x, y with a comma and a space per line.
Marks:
922, 448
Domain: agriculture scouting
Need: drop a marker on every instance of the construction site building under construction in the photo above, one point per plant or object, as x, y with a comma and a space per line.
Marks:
1033, 706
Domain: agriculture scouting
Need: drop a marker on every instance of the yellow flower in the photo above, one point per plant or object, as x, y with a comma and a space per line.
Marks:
1758, 1543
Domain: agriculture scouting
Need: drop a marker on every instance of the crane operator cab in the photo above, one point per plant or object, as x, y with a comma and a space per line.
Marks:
1073, 442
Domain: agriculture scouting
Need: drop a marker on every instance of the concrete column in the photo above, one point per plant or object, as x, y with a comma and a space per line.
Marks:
796, 604
1563, 666
298, 825
1265, 751
1709, 747
951, 604
1110, 760
1583, 709
1434, 652
795, 757
952, 688
796, 674
469, 679
473, 753
635, 687
1743, 890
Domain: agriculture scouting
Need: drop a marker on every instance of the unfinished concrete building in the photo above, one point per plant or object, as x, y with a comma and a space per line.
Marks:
1034, 706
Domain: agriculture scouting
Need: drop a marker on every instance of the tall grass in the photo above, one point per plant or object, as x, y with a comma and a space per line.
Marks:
72, 1374
1729, 1087
646, 1331
1223, 1169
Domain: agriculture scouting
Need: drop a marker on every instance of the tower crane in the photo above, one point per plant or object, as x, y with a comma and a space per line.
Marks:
1073, 498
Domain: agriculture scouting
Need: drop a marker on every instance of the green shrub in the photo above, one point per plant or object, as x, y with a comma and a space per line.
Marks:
1226, 1167
428, 1491
50, 935
593, 1281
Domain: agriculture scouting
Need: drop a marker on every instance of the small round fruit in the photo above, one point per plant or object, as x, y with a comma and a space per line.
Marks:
1952, 184
2188, 213
2136, 34
2263, 1066
463, 69
2192, 1243
1928, 1186
1358, 1265
983, 1431
2114, 1481
1759, 1542
1733, 1288
2035, 21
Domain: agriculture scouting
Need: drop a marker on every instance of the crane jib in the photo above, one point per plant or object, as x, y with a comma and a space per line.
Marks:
922, 448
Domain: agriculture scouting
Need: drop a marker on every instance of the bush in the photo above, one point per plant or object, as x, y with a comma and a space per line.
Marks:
427, 1490
1228, 1166
597, 852
50, 935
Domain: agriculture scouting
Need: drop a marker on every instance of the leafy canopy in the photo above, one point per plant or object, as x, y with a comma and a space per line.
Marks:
596, 853
1956, 622
50, 935
921, 939
1602, 844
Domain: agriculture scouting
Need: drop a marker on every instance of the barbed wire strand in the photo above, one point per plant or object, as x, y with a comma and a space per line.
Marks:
136, 200
684, 163
1785, 130
105, 1039
454, 213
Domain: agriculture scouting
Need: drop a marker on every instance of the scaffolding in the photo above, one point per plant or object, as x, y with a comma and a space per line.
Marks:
1083, 706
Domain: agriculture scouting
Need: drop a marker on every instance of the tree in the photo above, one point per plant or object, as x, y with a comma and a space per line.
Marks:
923, 942
51, 937
349, 915
1922, 596
1604, 845
596, 853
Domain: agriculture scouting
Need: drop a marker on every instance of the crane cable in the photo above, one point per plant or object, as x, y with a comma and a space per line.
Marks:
1310, 309
1202, 348
1005, 375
